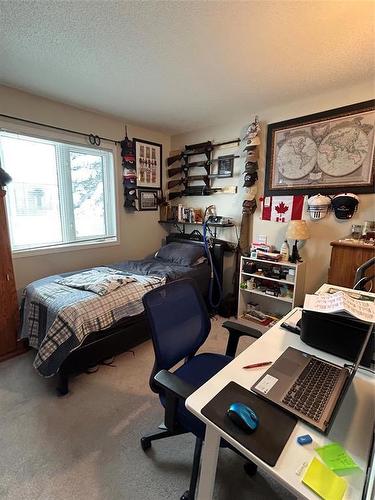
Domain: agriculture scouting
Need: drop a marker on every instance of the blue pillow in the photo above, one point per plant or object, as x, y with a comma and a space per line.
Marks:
180, 253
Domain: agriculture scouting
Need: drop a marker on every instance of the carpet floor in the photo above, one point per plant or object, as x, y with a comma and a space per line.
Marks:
86, 444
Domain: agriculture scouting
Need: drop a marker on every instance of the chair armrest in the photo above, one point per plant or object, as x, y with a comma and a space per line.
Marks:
173, 384
236, 330
175, 390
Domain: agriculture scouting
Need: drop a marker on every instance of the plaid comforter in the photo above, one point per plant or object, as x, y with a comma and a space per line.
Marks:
58, 318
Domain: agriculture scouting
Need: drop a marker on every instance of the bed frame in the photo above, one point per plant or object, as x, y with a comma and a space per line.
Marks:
127, 333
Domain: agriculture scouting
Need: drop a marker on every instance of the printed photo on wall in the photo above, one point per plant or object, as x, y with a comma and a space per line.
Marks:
147, 199
148, 157
326, 152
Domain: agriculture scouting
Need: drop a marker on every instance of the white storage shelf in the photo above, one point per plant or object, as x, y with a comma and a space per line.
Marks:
285, 282
274, 305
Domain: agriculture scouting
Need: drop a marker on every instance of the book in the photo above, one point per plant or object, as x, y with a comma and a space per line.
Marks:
340, 302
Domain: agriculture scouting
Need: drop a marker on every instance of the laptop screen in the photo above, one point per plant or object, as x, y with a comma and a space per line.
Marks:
354, 368
360, 352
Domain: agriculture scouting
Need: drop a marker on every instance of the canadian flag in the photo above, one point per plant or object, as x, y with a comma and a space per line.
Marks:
282, 208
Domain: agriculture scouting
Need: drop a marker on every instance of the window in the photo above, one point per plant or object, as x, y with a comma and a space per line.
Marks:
61, 193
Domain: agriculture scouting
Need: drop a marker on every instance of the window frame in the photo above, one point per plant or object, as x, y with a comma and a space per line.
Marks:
110, 177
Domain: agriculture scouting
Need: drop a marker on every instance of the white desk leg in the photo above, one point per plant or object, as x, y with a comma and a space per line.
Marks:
210, 455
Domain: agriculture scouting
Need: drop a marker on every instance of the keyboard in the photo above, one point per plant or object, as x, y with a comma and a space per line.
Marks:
311, 391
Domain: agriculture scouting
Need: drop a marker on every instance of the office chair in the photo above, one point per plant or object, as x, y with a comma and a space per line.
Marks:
179, 325
361, 280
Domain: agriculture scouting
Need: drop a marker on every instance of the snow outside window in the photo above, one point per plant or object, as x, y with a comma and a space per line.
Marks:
60, 193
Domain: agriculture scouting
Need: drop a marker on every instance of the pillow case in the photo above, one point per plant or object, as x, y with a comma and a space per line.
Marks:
180, 253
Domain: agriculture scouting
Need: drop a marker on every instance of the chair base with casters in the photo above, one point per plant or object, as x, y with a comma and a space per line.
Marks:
184, 329
178, 391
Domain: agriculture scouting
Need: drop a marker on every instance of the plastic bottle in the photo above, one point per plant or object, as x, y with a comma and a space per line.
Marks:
285, 251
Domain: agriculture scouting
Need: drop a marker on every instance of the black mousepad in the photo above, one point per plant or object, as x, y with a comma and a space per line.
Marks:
274, 428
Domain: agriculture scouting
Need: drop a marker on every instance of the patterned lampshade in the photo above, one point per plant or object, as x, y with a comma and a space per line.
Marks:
298, 230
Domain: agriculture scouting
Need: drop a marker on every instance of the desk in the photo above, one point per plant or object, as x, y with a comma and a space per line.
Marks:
352, 427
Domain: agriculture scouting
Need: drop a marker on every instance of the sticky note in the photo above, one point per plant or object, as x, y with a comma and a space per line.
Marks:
323, 481
337, 459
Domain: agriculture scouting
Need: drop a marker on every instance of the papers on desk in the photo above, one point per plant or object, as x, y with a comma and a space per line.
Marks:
323, 478
341, 302
337, 459
323, 481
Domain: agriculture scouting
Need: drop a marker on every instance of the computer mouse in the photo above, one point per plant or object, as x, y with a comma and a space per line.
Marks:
243, 416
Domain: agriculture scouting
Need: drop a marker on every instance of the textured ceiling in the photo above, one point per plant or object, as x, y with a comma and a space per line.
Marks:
181, 65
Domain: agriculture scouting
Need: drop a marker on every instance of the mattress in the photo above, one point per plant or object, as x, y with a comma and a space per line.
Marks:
56, 319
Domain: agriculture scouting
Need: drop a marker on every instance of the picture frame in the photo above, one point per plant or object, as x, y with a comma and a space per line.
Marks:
329, 152
147, 199
225, 166
148, 161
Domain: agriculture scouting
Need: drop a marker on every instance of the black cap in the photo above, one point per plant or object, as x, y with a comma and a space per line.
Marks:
344, 205
250, 179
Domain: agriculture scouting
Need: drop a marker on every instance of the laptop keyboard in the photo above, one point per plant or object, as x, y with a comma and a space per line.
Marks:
311, 391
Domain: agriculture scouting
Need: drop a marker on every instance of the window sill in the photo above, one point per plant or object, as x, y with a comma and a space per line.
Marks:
73, 247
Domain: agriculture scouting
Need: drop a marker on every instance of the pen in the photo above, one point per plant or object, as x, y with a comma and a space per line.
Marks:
256, 365
290, 328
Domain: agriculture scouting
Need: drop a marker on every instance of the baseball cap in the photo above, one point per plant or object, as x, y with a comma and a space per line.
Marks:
129, 173
250, 193
127, 146
344, 205
249, 206
250, 179
255, 141
130, 194
251, 167
252, 155
130, 182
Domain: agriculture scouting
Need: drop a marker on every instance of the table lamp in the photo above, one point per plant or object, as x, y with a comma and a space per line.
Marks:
297, 230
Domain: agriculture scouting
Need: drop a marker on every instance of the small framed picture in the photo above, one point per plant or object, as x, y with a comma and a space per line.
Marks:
147, 199
148, 161
225, 166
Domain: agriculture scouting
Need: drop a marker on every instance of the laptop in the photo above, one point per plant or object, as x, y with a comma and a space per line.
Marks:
307, 386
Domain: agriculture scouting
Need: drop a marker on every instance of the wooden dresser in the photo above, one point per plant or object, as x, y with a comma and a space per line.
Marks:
9, 314
346, 257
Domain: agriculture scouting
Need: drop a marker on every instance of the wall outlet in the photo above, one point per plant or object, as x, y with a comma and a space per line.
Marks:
262, 238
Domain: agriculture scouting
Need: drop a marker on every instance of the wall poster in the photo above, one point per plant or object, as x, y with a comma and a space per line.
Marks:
328, 152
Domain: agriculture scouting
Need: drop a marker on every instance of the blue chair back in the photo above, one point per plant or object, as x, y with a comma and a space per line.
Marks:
178, 320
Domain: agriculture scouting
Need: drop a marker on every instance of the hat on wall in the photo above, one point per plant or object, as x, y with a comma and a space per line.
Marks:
131, 194
255, 141
252, 155
318, 206
249, 206
130, 182
250, 192
250, 179
251, 167
344, 205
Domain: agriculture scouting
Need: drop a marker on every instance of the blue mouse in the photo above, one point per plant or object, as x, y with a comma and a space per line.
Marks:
243, 416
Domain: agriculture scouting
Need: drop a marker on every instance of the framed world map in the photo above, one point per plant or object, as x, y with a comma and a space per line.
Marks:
329, 152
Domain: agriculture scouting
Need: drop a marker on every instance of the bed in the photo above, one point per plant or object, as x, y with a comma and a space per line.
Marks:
73, 328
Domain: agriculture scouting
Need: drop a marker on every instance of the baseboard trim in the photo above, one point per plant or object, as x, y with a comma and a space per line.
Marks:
20, 349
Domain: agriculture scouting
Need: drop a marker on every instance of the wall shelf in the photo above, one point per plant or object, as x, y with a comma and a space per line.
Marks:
193, 223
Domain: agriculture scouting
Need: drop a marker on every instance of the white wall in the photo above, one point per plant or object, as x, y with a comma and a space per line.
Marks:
140, 233
317, 250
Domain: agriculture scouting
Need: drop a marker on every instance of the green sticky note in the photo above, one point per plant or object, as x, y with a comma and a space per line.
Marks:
323, 481
337, 459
